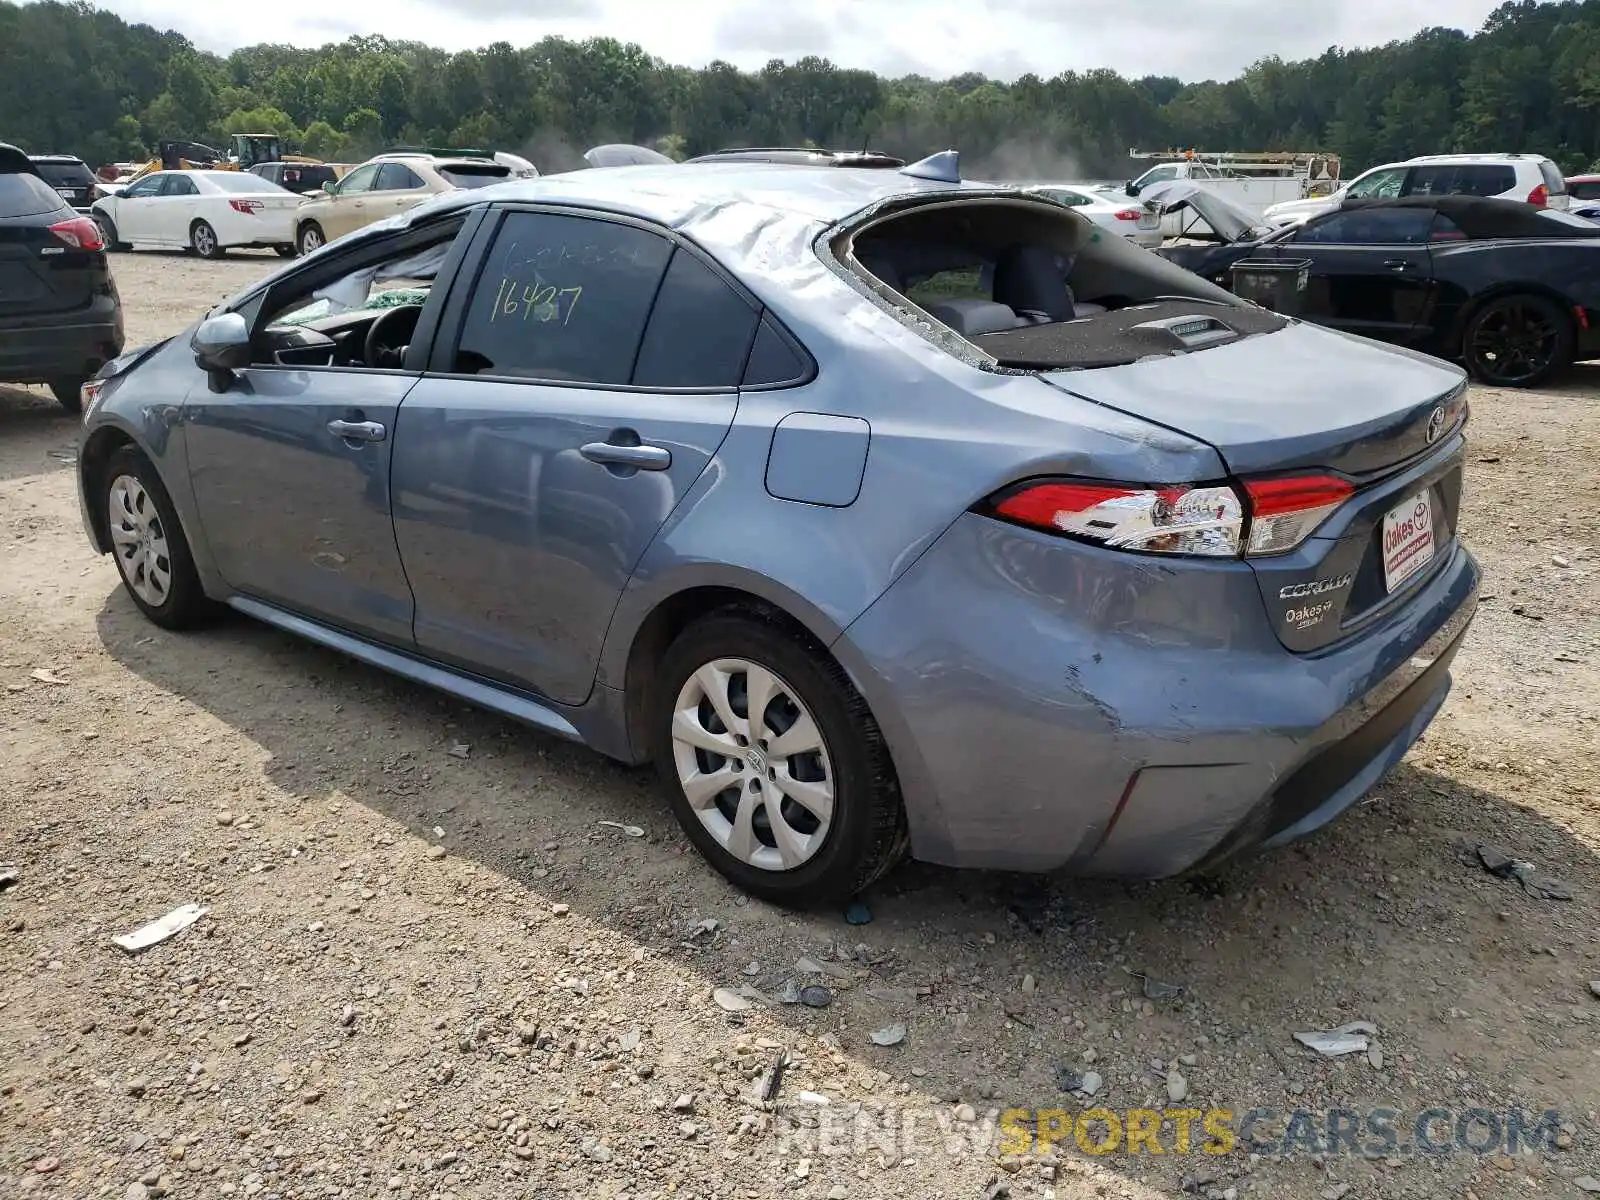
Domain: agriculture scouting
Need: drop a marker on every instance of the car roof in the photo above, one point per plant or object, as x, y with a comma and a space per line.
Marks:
55, 158
1480, 217
1475, 158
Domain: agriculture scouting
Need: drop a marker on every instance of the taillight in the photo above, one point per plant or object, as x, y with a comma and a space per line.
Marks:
1128, 214
1539, 197
1210, 520
81, 233
245, 206
1284, 512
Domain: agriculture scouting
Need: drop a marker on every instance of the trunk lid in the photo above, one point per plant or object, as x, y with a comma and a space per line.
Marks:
39, 273
1305, 400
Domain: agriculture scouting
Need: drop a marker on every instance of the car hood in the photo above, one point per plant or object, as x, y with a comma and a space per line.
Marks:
1229, 220
1301, 397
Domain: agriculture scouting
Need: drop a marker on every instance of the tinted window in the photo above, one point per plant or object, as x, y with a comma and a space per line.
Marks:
1446, 230
359, 180
182, 185
1383, 184
397, 177
562, 298
699, 332
26, 196
1381, 226
65, 174
772, 359
474, 175
1069, 199
1587, 190
1461, 179
242, 181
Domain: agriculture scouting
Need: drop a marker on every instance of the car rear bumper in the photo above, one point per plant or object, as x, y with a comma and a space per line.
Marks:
1054, 706
38, 349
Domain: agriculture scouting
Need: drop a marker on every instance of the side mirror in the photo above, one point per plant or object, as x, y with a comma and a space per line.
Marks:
222, 344
1132, 188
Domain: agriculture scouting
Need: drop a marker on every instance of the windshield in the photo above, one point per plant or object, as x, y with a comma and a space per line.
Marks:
243, 181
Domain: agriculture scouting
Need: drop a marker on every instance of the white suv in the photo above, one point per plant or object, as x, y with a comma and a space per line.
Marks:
1529, 177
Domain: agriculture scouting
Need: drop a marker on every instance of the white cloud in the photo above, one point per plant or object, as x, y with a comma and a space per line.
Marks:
1192, 39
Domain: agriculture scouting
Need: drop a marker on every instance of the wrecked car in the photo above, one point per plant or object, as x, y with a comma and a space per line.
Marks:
881, 511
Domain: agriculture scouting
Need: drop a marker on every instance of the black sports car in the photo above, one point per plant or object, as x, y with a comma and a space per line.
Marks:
1508, 290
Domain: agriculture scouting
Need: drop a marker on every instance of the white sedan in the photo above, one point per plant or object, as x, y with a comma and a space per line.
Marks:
208, 212
1137, 222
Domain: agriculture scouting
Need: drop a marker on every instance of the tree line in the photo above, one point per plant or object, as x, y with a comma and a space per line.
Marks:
77, 79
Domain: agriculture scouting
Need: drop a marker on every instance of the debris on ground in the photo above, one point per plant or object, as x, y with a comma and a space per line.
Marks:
858, 914
45, 675
8, 876
1502, 865
1154, 989
1588, 1183
889, 1035
160, 929
1091, 1083
459, 750
1594, 986
729, 1000
772, 1081
1067, 1079
1347, 1039
816, 996
632, 831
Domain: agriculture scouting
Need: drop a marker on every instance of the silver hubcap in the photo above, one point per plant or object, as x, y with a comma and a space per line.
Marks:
311, 239
139, 541
752, 764
203, 241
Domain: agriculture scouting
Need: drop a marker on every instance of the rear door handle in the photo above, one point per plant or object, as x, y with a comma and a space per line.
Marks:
1397, 264
645, 458
358, 431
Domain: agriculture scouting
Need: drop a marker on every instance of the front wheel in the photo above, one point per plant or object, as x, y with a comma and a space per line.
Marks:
775, 767
148, 543
1518, 341
203, 241
108, 232
311, 237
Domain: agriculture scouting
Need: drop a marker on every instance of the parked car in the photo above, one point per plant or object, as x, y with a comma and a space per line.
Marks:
1531, 178
384, 186
69, 175
208, 212
60, 316
1502, 287
1140, 223
671, 463
298, 178
800, 156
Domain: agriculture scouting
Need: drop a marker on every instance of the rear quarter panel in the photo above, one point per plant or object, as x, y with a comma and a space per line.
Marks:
1566, 270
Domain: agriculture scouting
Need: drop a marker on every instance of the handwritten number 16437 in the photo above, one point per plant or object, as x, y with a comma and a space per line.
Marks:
543, 304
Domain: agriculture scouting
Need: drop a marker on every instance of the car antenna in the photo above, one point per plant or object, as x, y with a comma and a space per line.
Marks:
943, 167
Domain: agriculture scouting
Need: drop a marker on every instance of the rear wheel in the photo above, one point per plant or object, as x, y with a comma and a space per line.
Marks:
68, 393
311, 237
775, 767
1518, 341
148, 543
203, 241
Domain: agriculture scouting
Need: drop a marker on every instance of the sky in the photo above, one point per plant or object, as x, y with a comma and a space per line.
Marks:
1191, 39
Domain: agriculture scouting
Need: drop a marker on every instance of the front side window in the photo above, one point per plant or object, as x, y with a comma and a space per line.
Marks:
179, 185
562, 298
1371, 227
359, 180
1383, 184
1157, 175
148, 186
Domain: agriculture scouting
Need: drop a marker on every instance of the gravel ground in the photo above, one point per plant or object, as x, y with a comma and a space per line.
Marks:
437, 974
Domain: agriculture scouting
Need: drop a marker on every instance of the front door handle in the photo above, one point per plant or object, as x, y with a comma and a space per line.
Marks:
358, 431
644, 458
1397, 264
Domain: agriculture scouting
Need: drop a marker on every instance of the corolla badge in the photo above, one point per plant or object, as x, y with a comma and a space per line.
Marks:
1435, 425
1317, 587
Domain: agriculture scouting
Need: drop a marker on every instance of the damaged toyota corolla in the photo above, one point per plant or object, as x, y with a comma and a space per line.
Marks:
883, 512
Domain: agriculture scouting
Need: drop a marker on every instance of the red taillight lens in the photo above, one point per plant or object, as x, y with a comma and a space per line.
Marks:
1128, 214
245, 206
1539, 197
1208, 520
1284, 512
81, 233
1179, 520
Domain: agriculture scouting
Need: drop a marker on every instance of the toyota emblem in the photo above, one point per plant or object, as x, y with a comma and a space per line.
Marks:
1435, 425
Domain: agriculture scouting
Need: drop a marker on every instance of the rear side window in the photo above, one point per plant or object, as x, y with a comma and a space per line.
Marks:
562, 298
773, 361
474, 175
1376, 226
397, 177
26, 195
1461, 179
699, 333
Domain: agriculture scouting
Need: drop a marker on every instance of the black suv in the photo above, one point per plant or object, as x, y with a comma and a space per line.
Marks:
60, 316
296, 177
70, 176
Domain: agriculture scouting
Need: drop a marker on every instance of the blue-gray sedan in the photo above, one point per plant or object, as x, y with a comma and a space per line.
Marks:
882, 511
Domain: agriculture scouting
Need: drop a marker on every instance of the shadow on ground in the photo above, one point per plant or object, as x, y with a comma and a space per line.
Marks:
1385, 917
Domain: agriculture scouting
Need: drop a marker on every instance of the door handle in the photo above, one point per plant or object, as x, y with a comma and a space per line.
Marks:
644, 458
1397, 264
358, 431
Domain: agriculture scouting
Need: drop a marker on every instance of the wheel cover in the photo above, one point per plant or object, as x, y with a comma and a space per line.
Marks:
311, 239
204, 240
139, 540
1514, 342
753, 764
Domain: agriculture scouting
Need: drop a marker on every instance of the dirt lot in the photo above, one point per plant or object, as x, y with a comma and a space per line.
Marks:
425, 975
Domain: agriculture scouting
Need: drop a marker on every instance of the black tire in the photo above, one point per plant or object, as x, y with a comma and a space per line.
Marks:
68, 393
1518, 340
314, 231
203, 241
108, 232
867, 835
185, 604
286, 251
